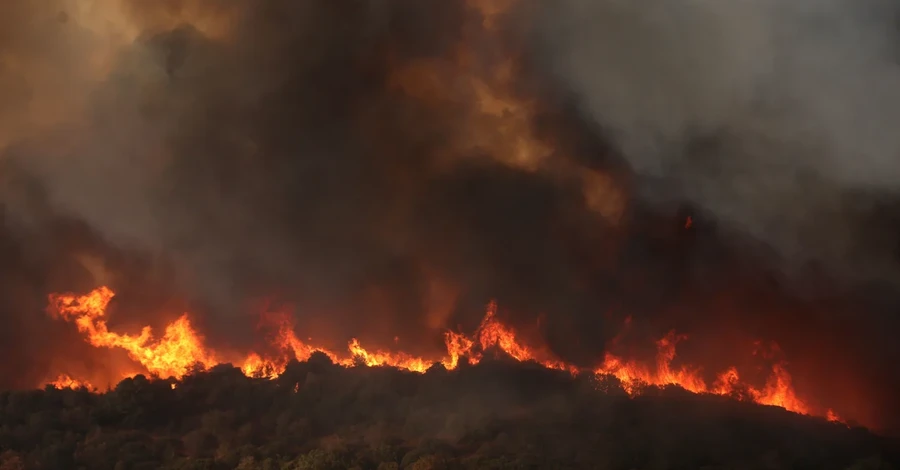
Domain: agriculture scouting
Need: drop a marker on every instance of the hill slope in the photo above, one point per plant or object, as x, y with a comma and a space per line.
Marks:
495, 415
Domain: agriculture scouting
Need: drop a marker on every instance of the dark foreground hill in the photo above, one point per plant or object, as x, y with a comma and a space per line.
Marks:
492, 416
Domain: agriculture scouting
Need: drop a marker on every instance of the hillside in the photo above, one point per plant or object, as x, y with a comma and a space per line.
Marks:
497, 414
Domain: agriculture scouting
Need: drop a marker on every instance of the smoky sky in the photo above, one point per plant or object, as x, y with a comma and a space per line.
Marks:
776, 117
228, 153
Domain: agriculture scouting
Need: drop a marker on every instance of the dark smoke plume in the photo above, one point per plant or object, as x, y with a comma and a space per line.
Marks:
226, 152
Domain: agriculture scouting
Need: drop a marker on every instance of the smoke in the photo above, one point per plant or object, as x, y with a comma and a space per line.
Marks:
776, 117
241, 151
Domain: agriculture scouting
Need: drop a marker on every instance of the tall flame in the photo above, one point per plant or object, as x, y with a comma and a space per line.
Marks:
173, 355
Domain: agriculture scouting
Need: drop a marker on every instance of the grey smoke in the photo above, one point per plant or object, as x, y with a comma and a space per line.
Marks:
778, 117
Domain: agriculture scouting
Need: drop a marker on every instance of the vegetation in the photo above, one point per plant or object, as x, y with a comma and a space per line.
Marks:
496, 415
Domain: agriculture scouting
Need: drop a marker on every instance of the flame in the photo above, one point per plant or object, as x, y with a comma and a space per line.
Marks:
384, 358
458, 346
777, 391
830, 415
64, 381
492, 333
633, 374
181, 349
258, 367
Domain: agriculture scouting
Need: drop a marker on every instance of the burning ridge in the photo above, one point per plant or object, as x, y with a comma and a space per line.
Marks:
180, 351
500, 413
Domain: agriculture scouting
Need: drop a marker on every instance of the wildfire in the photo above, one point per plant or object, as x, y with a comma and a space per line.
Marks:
181, 350
65, 381
498, 124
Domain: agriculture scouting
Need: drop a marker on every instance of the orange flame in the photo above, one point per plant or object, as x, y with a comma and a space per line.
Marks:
633, 374
492, 333
830, 415
458, 346
383, 358
173, 355
181, 349
258, 367
778, 390
64, 381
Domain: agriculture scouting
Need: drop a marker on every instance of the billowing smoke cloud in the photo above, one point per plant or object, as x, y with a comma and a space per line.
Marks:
227, 153
776, 117
245, 151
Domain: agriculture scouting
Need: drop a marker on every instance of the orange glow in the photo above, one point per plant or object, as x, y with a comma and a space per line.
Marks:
181, 349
